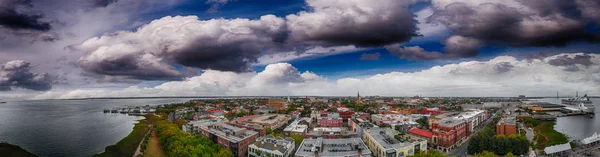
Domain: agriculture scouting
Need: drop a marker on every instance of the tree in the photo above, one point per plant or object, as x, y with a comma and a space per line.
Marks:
430, 153
297, 138
397, 127
269, 131
486, 154
423, 121
510, 155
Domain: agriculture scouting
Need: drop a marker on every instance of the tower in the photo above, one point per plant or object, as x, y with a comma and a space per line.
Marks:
358, 101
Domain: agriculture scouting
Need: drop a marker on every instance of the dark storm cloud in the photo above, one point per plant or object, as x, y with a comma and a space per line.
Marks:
459, 46
16, 15
413, 52
103, 3
566, 60
131, 66
331, 25
17, 74
232, 57
548, 23
370, 56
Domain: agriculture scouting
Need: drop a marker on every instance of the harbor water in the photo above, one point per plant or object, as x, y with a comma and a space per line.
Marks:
577, 127
68, 127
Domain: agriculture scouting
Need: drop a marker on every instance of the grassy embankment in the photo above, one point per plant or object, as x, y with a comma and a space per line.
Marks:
545, 135
128, 145
153, 148
8, 150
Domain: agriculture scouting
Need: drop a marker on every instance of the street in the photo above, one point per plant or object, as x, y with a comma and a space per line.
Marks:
463, 148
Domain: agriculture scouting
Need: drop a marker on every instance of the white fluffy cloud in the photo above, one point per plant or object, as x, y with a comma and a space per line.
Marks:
500, 76
154, 50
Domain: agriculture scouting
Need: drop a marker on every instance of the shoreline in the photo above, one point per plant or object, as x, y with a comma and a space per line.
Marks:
129, 144
9, 150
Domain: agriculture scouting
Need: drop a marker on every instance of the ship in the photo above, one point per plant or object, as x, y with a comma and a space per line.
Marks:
584, 103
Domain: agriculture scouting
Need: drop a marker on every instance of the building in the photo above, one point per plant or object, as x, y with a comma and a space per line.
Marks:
330, 133
297, 127
272, 121
383, 119
233, 138
426, 134
558, 150
330, 119
215, 112
383, 144
350, 147
358, 125
506, 126
276, 104
194, 126
358, 100
270, 146
448, 134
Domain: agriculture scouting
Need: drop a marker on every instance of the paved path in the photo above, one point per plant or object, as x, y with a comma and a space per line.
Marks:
153, 149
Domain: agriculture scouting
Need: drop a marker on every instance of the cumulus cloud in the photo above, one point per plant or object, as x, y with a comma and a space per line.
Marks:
517, 22
154, 50
18, 23
572, 62
15, 15
500, 76
353, 22
150, 52
370, 56
17, 74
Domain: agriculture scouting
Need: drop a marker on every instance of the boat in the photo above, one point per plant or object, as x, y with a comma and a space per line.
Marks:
584, 103
2, 102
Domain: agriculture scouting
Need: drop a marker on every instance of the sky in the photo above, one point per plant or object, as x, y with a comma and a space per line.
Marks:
130, 48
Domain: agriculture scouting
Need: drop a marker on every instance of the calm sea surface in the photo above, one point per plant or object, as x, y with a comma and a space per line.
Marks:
577, 127
68, 127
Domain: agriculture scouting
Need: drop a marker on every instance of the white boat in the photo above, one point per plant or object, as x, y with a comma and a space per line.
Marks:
584, 103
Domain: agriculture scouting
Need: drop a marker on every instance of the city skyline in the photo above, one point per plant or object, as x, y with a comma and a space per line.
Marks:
448, 48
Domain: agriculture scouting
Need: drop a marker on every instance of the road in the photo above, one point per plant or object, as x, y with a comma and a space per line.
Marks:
463, 149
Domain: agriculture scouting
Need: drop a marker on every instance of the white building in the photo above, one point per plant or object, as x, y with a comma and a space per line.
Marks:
270, 146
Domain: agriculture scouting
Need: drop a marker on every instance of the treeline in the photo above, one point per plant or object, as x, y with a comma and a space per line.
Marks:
487, 140
178, 143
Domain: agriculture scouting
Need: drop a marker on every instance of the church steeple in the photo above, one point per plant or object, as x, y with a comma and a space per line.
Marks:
358, 101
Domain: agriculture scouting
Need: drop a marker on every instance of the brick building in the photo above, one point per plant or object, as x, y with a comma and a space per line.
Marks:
506, 126
448, 134
331, 119
233, 138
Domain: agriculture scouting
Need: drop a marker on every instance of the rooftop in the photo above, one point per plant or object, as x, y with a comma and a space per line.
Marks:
449, 122
557, 148
272, 143
333, 147
385, 137
508, 120
421, 132
229, 132
296, 127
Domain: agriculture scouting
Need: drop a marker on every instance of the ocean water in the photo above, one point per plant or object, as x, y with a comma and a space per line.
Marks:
68, 127
577, 127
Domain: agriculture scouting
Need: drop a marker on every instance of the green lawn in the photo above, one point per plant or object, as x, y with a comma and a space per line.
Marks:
547, 136
128, 145
8, 150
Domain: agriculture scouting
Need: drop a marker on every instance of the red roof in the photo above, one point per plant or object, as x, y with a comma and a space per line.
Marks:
214, 111
421, 132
